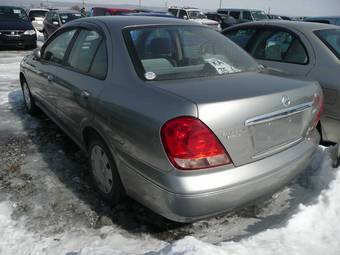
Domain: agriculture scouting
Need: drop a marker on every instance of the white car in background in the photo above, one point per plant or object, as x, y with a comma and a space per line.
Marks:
37, 17
194, 14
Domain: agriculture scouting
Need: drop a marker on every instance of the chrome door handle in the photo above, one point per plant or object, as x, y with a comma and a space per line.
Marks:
50, 77
84, 94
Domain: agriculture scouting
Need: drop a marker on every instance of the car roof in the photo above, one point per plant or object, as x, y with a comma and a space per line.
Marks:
234, 9
323, 17
119, 22
65, 11
299, 25
39, 9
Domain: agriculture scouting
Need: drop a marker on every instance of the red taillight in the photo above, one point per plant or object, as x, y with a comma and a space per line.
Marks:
192, 145
318, 104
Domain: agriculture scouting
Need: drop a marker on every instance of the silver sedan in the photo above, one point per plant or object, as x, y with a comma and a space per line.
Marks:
172, 113
302, 49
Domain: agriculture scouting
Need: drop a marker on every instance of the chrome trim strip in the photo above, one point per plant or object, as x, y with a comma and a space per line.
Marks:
276, 149
278, 114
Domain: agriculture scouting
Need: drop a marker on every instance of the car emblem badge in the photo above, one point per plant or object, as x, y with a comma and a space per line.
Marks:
286, 101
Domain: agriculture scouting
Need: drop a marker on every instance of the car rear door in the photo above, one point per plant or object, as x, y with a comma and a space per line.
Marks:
79, 85
277, 48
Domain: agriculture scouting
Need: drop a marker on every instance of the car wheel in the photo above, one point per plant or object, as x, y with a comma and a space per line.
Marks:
104, 172
28, 99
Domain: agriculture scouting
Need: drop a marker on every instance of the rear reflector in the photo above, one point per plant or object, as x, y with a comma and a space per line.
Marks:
191, 145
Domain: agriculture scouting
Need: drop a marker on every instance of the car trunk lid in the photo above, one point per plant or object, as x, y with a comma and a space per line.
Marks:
253, 115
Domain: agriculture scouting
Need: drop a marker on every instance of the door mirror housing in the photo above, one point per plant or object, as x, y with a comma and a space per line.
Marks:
37, 54
55, 22
185, 17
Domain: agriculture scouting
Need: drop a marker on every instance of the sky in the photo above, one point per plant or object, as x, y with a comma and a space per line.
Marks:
283, 7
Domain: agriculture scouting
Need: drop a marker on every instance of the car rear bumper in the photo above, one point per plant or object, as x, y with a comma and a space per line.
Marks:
22, 41
209, 194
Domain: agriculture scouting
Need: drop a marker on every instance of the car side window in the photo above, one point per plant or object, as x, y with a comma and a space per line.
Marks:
173, 11
247, 15
337, 22
49, 17
56, 49
280, 46
234, 14
99, 64
84, 50
241, 37
182, 13
55, 17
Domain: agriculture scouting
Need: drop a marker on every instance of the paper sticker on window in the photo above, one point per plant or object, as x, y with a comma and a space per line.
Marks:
221, 67
16, 11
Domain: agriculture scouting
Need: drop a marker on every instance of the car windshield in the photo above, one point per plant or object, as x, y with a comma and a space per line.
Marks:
177, 52
196, 15
37, 14
66, 17
259, 15
331, 38
12, 13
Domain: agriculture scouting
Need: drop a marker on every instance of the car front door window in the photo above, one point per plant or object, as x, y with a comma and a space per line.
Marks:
55, 51
84, 50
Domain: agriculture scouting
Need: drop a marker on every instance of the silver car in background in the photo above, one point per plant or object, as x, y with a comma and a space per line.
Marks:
172, 113
302, 49
37, 17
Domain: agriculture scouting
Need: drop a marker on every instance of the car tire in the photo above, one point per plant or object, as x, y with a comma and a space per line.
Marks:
104, 173
29, 101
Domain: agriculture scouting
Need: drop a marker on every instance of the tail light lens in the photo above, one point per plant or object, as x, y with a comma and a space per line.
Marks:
191, 145
318, 104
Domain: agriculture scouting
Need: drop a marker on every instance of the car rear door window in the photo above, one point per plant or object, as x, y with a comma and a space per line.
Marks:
241, 37
56, 49
99, 65
280, 46
235, 14
247, 15
84, 50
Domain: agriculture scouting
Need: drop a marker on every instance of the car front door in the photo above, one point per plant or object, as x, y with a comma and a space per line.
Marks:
79, 85
48, 66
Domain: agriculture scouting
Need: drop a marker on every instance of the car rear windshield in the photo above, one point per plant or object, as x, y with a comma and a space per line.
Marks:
177, 52
66, 17
12, 13
37, 14
331, 38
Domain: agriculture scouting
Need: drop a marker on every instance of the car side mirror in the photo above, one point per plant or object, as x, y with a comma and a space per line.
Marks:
56, 23
185, 17
37, 54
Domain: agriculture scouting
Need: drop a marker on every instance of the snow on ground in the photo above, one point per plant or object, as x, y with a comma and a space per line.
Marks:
47, 205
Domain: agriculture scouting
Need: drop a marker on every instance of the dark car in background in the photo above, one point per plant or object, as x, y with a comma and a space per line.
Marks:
56, 18
335, 20
224, 20
16, 29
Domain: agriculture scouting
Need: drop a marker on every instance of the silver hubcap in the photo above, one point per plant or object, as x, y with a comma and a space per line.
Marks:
27, 96
101, 169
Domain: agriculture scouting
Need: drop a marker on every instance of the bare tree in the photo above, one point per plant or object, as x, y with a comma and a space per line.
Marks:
75, 7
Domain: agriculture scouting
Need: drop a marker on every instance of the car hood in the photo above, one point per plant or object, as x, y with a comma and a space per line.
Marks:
15, 25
